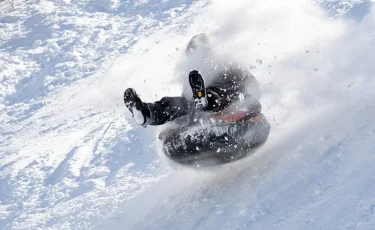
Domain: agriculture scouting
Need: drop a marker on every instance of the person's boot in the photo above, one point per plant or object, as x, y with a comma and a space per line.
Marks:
199, 90
140, 112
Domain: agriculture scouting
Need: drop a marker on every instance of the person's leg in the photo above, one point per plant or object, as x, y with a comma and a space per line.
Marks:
206, 99
157, 113
167, 109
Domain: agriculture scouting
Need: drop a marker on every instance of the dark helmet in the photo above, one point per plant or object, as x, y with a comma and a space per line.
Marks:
199, 42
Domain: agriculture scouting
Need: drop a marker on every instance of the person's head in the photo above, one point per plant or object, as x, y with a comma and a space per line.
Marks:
198, 44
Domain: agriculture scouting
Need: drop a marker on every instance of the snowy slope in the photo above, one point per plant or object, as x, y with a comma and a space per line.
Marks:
71, 157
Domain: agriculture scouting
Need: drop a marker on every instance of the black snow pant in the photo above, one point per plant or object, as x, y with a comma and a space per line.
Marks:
170, 108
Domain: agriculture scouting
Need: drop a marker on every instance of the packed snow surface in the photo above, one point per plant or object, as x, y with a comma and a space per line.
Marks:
71, 157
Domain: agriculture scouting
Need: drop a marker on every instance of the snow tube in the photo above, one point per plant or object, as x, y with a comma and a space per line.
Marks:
214, 140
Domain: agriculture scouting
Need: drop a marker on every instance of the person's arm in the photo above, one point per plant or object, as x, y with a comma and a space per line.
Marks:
237, 83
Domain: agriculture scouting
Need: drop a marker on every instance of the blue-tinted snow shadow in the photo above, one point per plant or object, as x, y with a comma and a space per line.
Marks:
57, 175
359, 11
138, 149
354, 10
133, 150
153, 7
37, 29
21, 112
32, 86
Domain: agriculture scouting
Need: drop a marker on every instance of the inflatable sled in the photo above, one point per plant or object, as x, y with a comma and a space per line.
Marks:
215, 138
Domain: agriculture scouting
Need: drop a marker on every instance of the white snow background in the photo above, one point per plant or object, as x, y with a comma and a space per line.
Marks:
72, 158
